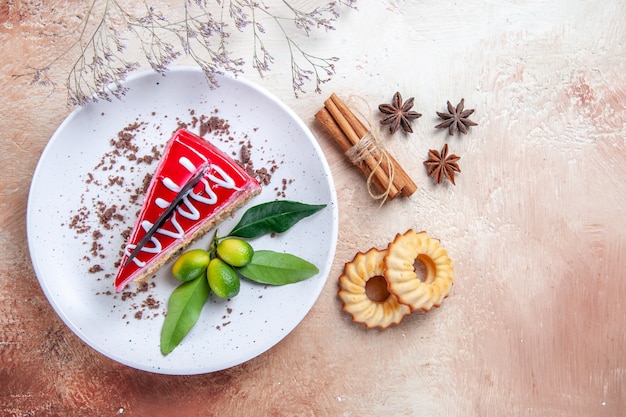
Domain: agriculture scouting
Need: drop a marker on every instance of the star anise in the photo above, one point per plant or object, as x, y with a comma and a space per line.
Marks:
457, 118
398, 114
441, 165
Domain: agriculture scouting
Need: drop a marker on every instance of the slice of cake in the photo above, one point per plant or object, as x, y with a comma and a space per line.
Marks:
223, 187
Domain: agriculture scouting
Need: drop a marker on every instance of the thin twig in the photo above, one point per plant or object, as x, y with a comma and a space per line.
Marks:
102, 65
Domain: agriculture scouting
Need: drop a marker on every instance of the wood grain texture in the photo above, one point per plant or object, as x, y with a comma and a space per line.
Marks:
535, 225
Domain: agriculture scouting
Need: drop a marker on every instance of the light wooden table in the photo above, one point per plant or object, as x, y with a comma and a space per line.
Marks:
535, 323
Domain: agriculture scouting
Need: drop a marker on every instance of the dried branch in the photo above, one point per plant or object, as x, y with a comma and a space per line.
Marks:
202, 33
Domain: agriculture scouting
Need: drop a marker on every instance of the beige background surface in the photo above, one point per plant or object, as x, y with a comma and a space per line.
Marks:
535, 225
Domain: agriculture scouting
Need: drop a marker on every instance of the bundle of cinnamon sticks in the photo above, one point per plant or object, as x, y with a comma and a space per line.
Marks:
347, 130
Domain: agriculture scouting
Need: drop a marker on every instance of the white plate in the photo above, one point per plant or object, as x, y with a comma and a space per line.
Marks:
228, 333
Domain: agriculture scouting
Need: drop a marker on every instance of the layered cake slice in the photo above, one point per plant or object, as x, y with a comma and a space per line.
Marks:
221, 186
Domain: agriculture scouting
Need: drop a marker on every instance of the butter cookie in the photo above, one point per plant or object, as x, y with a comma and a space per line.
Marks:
364, 292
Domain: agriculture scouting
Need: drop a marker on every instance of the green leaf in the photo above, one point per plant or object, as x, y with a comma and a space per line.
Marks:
183, 310
276, 268
272, 217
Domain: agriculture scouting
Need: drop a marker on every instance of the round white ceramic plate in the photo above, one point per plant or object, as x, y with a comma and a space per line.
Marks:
73, 179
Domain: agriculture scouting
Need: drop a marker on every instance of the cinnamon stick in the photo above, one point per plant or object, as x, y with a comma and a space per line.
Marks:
381, 175
347, 130
356, 124
401, 179
326, 120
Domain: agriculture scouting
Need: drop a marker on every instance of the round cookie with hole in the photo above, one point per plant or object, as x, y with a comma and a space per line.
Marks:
363, 290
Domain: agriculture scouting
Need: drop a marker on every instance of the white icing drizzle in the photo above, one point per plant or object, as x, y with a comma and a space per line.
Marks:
137, 262
192, 213
157, 245
212, 197
225, 182
179, 234
146, 225
170, 185
187, 164
161, 203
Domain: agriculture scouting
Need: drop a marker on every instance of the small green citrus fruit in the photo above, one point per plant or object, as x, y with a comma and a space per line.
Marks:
190, 265
223, 279
235, 252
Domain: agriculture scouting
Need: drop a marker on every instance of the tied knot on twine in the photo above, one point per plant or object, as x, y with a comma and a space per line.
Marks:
370, 146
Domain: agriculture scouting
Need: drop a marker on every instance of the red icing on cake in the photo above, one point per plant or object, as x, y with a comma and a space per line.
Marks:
224, 187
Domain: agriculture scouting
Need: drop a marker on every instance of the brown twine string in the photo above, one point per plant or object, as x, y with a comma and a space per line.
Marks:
371, 146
